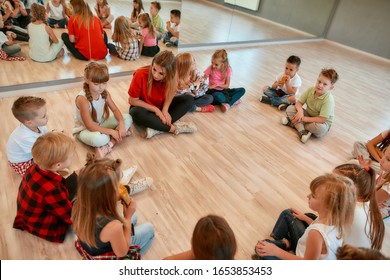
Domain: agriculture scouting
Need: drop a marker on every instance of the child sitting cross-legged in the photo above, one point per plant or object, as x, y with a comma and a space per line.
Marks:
45, 198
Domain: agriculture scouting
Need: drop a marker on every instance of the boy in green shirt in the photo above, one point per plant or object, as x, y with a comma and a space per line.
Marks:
317, 118
157, 21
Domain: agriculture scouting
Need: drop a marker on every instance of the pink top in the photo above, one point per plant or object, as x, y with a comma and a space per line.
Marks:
217, 77
149, 40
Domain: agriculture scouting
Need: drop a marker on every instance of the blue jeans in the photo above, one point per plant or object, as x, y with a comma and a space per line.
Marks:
276, 100
143, 234
287, 227
232, 95
202, 101
61, 23
168, 37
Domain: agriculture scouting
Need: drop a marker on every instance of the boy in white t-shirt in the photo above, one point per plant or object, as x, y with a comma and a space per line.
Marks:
172, 36
30, 111
284, 90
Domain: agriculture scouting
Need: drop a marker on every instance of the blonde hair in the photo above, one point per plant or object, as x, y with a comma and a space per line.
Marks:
145, 19
339, 199
96, 73
122, 30
223, 56
97, 195
82, 12
364, 181
52, 148
184, 69
25, 107
38, 12
165, 59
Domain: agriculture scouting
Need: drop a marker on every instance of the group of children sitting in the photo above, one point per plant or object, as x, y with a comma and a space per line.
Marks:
132, 36
346, 201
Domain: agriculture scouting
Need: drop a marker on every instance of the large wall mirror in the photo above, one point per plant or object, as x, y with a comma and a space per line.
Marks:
221, 21
203, 22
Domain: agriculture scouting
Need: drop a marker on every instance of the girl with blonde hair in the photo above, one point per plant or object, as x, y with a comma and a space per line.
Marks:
367, 228
191, 81
103, 12
153, 103
126, 44
219, 74
93, 124
96, 220
148, 40
333, 198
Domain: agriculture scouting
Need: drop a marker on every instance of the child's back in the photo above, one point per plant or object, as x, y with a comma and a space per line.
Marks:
44, 198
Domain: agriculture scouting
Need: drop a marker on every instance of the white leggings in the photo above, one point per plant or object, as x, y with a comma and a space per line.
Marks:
97, 139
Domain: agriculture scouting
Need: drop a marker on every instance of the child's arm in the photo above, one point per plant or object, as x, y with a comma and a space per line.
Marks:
118, 115
48, 9
83, 105
225, 85
52, 36
22, 9
301, 216
170, 29
141, 40
119, 234
373, 149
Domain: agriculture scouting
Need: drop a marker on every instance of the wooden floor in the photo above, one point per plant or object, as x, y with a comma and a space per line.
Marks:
243, 165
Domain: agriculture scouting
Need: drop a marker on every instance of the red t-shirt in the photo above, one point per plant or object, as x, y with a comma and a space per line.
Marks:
92, 46
139, 88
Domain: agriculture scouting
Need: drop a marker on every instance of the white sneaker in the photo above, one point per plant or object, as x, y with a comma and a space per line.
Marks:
305, 136
150, 132
184, 127
140, 185
282, 107
284, 121
128, 174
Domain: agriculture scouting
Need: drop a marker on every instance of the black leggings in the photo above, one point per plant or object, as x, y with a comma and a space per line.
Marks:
73, 50
179, 107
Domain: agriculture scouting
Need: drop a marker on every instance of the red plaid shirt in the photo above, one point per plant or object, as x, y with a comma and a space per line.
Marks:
43, 205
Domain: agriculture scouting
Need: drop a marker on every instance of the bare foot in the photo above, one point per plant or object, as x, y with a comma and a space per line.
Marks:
56, 25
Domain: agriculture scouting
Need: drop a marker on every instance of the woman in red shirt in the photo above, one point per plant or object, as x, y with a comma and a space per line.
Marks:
153, 101
86, 38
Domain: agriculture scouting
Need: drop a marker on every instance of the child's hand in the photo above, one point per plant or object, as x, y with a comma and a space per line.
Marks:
298, 214
297, 117
129, 210
168, 24
122, 130
264, 248
213, 86
116, 135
